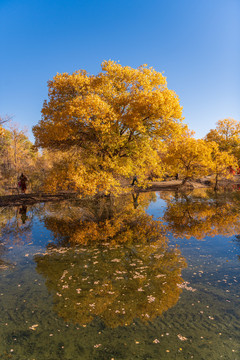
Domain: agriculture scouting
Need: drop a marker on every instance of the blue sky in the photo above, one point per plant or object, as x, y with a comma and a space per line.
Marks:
195, 42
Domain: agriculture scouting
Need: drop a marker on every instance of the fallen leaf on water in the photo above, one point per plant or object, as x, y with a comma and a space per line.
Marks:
33, 327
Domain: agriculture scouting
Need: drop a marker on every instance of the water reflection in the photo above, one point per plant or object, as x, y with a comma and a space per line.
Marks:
117, 283
3, 263
16, 224
124, 268
203, 213
108, 219
128, 273
23, 213
106, 263
16, 229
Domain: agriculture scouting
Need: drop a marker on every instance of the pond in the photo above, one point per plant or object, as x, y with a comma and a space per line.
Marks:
143, 276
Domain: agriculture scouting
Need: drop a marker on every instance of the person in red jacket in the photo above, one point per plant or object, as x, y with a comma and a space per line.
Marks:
231, 170
22, 183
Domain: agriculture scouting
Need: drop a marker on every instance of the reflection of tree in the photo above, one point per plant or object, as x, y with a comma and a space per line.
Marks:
203, 214
16, 224
115, 220
5, 215
130, 273
117, 283
3, 264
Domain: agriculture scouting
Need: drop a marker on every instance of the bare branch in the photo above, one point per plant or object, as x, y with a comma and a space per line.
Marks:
4, 119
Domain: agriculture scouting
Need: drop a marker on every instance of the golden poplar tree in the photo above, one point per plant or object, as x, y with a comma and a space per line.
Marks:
226, 135
111, 124
221, 161
188, 157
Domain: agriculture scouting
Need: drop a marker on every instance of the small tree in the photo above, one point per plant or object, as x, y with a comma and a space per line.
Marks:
17, 154
188, 157
221, 161
226, 135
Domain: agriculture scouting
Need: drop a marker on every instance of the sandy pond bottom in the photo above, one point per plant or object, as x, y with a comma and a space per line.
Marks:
119, 302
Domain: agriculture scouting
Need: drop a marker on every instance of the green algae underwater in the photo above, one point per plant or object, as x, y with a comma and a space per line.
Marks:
144, 276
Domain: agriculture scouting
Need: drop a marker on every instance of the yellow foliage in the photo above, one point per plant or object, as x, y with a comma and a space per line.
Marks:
202, 214
107, 219
113, 122
226, 135
188, 157
1, 130
221, 162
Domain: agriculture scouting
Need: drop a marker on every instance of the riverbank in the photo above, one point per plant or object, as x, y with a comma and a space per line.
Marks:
174, 185
33, 198
170, 185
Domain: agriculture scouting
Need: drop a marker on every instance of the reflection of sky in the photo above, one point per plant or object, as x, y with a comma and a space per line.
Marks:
157, 207
34, 239
41, 235
218, 247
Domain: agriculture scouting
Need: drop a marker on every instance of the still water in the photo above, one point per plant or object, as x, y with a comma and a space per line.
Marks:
144, 276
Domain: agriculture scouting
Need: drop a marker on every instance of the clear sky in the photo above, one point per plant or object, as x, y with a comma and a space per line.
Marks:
195, 42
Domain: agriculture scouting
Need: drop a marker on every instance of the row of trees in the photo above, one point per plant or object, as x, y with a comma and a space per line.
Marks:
17, 155
101, 129
193, 158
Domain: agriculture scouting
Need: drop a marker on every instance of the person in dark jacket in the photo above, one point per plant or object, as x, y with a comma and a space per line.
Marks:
134, 180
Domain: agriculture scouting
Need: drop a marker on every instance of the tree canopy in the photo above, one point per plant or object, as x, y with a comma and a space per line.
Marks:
226, 135
113, 123
221, 162
188, 157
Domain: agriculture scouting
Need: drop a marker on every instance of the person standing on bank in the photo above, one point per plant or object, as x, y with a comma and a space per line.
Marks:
22, 183
134, 180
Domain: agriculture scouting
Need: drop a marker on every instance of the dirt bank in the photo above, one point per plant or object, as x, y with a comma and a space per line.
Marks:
33, 198
29, 199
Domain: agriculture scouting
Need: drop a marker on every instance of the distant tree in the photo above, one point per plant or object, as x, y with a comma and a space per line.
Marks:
22, 151
1, 130
226, 135
221, 161
188, 157
17, 155
3, 120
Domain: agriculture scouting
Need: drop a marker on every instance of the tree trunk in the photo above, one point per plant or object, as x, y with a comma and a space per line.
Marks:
185, 180
216, 183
